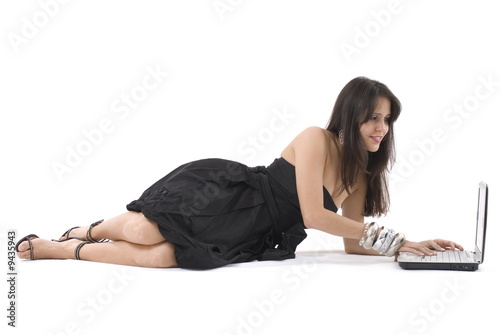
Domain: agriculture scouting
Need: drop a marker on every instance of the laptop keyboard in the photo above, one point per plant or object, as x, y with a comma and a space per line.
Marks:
450, 256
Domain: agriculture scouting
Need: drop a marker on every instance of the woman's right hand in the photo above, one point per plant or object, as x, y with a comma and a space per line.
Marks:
429, 247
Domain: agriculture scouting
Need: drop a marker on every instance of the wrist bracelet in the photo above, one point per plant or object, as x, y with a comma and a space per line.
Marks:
369, 235
396, 245
380, 239
387, 242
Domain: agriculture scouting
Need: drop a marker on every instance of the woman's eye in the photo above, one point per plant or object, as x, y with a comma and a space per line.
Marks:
387, 119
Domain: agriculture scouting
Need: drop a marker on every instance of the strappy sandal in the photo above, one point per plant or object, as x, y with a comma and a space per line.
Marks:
24, 239
32, 251
78, 248
88, 235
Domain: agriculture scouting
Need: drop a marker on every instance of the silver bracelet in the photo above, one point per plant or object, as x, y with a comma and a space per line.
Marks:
395, 245
387, 242
369, 235
380, 239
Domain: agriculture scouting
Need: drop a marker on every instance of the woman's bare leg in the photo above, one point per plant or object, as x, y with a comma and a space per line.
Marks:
159, 255
130, 226
136, 242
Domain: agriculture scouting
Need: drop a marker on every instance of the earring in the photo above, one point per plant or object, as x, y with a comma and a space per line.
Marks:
341, 137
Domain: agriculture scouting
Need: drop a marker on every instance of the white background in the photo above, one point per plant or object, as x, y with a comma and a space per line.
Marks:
233, 66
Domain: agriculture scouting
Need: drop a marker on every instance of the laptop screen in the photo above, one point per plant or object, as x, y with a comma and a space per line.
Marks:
482, 209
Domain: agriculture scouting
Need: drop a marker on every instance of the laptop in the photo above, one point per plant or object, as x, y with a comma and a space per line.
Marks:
455, 259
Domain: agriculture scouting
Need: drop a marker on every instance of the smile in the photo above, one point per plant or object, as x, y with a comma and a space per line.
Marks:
377, 139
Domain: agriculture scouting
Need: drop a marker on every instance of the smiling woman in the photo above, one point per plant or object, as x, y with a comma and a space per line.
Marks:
374, 130
213, 212
363, 116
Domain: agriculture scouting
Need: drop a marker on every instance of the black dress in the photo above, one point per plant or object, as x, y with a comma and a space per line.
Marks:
217, 212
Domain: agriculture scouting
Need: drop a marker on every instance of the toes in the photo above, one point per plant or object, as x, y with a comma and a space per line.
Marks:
24, 255
23, 246
24, 250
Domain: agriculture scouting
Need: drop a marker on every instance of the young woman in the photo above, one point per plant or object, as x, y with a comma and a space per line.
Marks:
213, 212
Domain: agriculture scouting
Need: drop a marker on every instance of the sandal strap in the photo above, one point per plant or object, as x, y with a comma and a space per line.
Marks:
28, 238
68, 239
32, 251
78, 248
89, 234
67, 232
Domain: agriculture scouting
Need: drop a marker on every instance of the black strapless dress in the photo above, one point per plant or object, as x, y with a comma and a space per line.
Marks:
217, 212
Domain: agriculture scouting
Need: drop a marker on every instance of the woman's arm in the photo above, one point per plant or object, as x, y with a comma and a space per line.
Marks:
311, 149
353, 208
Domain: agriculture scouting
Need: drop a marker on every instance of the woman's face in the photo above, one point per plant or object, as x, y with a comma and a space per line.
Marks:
373, 131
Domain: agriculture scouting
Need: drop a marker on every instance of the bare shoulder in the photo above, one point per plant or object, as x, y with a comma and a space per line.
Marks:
314, 131
313, 138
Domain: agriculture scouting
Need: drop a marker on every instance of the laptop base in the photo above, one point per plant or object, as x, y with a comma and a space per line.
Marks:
439, 266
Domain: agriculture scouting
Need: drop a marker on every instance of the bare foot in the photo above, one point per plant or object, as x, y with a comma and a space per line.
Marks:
45, 249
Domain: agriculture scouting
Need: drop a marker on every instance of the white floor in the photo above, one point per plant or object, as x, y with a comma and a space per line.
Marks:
319, 292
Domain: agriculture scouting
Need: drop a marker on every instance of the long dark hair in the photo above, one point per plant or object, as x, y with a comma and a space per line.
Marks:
354, 106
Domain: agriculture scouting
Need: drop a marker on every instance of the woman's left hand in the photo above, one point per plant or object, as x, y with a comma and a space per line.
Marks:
428, 247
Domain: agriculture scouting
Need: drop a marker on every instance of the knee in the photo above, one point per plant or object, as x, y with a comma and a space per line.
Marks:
140, 230
161, 256
133, 230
